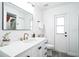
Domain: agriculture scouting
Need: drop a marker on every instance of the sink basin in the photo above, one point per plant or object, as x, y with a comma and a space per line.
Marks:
30, 40
27, 41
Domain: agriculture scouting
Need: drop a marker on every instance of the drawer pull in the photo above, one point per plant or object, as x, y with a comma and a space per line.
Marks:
28, 56
45, 48
46, 42
39, 47
45, 53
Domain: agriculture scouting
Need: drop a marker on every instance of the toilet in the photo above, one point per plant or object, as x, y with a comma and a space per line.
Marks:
50, 48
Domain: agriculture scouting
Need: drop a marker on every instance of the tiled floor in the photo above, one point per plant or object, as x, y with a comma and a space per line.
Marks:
59, 54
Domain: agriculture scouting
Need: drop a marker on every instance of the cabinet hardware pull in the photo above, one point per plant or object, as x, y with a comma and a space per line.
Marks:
45, 53
46, 42
28, 56
39, 47
45, 48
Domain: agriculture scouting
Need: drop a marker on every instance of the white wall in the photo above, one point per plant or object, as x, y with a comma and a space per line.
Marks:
49, 25
37, 16
72, 9
24, 5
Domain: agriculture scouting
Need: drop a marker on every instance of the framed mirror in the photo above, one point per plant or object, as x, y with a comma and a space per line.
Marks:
15, 18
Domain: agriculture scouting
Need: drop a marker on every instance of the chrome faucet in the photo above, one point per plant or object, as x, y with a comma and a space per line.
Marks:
25, 36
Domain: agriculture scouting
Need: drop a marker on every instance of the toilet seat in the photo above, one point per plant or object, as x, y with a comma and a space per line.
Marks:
50, 46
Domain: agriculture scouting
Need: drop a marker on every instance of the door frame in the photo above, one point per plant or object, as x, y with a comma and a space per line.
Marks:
58, 15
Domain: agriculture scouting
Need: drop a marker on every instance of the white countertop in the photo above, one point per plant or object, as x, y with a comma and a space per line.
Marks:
18, 47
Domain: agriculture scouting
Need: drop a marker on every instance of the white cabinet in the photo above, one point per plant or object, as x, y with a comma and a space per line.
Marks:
25, 54
39, 50
44, 49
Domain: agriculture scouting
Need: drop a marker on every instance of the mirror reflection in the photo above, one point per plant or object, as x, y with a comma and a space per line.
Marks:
11, 21
15, 18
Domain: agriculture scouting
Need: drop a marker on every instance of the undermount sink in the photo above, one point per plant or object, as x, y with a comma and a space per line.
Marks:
31, 40
27, 41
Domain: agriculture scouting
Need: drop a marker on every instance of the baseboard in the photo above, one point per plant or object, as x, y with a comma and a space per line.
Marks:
73, 54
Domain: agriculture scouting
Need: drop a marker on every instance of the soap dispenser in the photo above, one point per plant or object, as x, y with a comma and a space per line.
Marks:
33, 35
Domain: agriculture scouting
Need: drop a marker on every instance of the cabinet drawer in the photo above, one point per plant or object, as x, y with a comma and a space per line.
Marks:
45, 54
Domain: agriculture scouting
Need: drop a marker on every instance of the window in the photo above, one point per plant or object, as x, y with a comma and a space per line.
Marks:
60, 21
60, 25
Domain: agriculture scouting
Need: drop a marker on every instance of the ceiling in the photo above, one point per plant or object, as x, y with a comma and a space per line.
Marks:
46, 5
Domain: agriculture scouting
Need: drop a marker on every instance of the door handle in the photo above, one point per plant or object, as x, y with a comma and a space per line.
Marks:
65, 35
65, 32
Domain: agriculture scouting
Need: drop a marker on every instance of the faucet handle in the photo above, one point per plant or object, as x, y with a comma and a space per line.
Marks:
26, 37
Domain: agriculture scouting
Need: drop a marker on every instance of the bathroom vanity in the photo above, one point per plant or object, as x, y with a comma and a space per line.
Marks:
33, 47
15, 18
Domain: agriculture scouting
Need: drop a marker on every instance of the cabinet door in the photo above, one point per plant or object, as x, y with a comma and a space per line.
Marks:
44, 48
28, 53
44, 51
25, 54
34, 52
39, 51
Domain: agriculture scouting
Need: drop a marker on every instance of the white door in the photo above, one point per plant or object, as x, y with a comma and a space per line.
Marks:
62, 33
